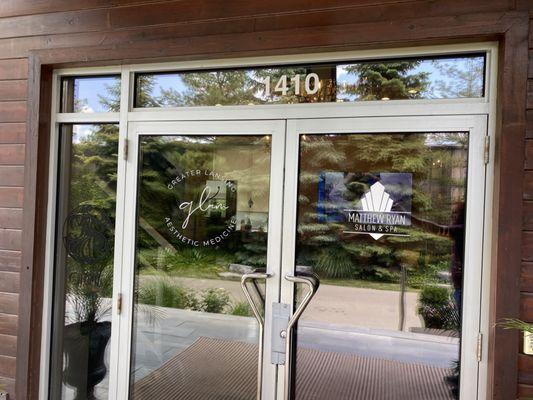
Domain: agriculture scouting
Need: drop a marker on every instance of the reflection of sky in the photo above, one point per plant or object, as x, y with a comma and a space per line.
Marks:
431, 66
81, 132
87, 90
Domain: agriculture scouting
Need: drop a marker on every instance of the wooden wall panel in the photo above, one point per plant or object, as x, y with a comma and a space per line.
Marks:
14, 69
189, 11
11, 154
11, 217
525, 362
13, 90
11, 175
10, 260
525, 366
529, 151
170, 20
528, 215
526, 277
12, 133
8, 325
9, 282
528, 185
8, 345
11, 8
11, 197
8, 305
526, 306
13, 111
8, 366
10, 239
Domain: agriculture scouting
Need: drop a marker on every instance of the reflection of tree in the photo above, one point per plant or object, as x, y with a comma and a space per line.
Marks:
234, 87
463, 79
211, 88
94, 169
334, 255
388, 79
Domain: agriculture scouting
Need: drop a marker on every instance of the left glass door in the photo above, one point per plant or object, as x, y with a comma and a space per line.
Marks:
202, 214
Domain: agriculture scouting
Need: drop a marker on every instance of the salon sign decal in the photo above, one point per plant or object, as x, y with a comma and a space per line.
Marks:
376, 217
201, 203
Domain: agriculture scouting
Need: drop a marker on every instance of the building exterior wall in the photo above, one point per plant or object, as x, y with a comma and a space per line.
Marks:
37, 35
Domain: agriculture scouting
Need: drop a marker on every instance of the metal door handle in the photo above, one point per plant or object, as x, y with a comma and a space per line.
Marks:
254, 276
312, 283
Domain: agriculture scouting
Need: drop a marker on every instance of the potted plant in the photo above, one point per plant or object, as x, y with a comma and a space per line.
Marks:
88, 240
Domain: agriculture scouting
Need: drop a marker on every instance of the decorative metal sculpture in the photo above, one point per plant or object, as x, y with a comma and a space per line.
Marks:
88, 235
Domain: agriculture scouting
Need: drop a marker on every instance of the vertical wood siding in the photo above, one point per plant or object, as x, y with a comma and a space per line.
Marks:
205, 28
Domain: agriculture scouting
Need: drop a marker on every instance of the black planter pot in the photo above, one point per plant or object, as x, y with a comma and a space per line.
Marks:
84, 350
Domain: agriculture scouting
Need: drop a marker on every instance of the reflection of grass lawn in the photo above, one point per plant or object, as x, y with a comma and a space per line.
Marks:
186, 273
358, 283
212, 273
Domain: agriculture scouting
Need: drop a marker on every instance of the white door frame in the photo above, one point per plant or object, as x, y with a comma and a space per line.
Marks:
476, 126
123, 335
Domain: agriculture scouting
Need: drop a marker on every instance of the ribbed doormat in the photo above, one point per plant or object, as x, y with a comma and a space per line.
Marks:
213, 369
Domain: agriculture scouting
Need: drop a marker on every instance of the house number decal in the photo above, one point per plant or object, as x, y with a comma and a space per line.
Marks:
311, 84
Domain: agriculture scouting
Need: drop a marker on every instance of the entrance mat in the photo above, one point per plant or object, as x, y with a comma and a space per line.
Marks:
213, 369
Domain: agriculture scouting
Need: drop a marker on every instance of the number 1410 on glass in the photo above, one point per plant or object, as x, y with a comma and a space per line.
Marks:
311, 84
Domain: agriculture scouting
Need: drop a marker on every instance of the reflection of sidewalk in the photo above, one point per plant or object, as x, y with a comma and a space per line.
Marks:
438, 351
338, 304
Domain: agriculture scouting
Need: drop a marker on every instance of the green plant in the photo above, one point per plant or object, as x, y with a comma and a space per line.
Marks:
437, 309
241, 308
334, 263
162, 291
434, 296
513, 323
214, 300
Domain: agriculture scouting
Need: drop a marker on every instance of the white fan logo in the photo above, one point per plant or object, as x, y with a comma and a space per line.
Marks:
376, 200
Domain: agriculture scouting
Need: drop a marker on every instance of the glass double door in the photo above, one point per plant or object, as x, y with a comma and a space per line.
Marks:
302, 259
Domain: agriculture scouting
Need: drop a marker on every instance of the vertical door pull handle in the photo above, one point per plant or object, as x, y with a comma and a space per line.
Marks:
312, 282
253, 277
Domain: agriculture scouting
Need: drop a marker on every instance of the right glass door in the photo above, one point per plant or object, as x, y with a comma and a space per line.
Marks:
388, 215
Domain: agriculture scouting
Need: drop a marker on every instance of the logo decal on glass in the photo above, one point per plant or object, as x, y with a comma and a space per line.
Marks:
383, 210
376, 218
205, 205
374, 204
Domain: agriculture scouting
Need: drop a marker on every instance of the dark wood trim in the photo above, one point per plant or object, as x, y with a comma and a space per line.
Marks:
34, 230
509, 28
507, 214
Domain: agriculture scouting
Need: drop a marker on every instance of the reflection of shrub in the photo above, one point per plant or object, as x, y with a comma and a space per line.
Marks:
334, 263
241, 308
165, 293
184, 259
214, 300
427, 275
437, 309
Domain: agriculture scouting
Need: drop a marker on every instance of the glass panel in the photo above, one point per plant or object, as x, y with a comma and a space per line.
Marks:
84, 261
410, 78
202, 222
381, 221
90, 94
